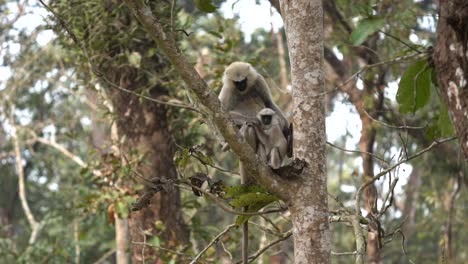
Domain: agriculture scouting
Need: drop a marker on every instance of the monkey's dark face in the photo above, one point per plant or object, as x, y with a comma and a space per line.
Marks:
266, 119
241, 85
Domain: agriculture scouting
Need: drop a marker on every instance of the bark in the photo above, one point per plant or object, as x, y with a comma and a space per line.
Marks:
144, 123
282, 60
449, 206
309, 202
122, 240
451, 64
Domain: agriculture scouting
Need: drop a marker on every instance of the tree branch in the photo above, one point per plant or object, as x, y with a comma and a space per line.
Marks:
213, 241
166, 41
35, 226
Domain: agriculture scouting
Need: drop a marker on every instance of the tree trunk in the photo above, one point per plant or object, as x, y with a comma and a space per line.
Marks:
451, 64
309, 201
121, 240
144, 123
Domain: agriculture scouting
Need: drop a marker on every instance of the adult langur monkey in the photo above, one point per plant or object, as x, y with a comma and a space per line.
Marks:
244, 94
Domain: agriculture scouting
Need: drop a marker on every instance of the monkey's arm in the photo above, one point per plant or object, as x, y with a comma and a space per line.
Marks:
225, 96
240, 119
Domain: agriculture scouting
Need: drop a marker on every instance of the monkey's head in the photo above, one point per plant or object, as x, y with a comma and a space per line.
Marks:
241, 75
265, 116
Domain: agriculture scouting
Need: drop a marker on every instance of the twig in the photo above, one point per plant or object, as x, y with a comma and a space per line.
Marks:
401, 41
265, 248
265, 229
392, 126
382, 173
226, 250
162, 248
356, 151
343, 253
369, 66
105, 256
35, 226
389, 195
220, 235
213, 165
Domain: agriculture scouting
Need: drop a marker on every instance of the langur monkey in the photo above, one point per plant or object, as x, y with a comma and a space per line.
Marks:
272, 146
244, 94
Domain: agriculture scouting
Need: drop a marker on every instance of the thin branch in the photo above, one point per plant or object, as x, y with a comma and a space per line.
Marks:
401, 41
382, 173
343, 253
392, 126
105, 256
215, 240
265, 248
265, 229
35, 226
369, 66
213, 165
356, 151
389, 195
162, 248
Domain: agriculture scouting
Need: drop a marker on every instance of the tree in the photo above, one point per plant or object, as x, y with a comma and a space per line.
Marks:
451, 64
306, 195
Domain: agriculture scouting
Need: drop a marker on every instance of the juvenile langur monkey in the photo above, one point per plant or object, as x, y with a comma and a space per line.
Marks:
272, 146
244, 94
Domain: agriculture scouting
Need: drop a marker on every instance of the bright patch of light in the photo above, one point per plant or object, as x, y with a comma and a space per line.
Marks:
53, 186
24, 117
391, 90
50, 131
14, 48
85, 121
343, 119
338, 53
414, 38
42, 180
252, 16
403, 172
428, 23
45, 37
31, 20
360, 84
347, 188
289, 87
5, 73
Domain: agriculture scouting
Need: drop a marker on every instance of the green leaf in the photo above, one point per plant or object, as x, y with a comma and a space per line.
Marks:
121, 209
233, 191
444, 123
366, 28
415, 82
205, 6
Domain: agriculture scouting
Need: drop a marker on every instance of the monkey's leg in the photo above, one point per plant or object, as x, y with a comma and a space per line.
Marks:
275, 158
262, 153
